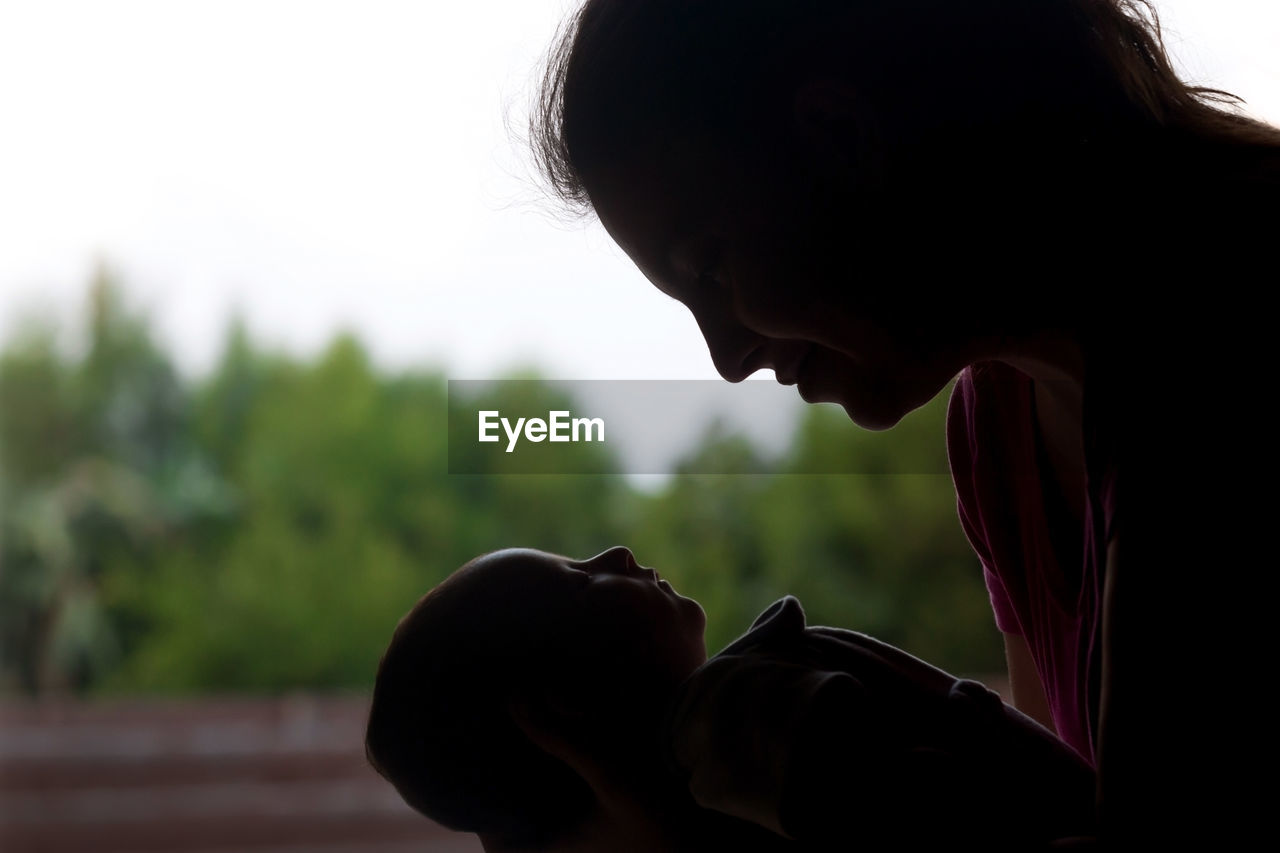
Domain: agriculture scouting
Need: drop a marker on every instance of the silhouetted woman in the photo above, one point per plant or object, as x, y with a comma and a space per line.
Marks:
872, 197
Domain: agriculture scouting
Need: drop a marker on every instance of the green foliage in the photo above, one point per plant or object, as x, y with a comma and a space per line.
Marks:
881, 551
263, 528
90, 452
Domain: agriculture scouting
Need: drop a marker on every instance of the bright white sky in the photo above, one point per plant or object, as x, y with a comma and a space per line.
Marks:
319, 166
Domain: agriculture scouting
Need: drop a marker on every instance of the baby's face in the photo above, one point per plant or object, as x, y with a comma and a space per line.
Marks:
606, 611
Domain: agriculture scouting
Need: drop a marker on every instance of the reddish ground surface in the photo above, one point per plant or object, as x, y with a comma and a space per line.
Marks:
210, 775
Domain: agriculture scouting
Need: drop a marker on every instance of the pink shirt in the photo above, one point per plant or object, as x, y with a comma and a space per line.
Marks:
1043, 567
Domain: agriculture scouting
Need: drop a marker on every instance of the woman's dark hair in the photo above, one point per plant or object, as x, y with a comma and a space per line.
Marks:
439, 728
626, 73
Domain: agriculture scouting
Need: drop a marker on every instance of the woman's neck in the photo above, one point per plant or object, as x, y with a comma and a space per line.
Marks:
1055, 364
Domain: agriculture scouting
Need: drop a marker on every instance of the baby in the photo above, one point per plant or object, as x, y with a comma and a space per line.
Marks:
546, 703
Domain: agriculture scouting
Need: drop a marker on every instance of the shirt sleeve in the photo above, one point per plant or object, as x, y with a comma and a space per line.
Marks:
960, 453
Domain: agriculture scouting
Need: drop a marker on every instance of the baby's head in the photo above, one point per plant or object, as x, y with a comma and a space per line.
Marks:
595, 646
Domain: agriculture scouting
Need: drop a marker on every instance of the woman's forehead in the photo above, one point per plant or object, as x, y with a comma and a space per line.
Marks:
658, 208
648, 215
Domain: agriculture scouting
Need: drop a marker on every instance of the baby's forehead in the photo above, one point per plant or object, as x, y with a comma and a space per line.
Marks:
499, 584
516, 565
501, 578
512, 556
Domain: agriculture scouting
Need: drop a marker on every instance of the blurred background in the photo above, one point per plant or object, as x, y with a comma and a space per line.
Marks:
244, 245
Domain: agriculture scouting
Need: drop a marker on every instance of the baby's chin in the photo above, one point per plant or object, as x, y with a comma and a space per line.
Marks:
698, 618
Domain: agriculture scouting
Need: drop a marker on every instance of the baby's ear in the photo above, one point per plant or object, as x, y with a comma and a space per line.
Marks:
552, 727
547, 711
548, 723
498, 844
494, 844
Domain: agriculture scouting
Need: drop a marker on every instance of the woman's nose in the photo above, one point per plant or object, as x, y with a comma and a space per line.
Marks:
732, 345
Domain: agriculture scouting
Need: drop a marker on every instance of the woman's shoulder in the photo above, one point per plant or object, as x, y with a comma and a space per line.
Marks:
988, 419
987, 391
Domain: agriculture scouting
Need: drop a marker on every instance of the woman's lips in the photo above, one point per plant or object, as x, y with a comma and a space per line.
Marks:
810, 380
791, 374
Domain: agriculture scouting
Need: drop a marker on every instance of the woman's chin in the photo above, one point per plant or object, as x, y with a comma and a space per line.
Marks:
881, 405
874, 419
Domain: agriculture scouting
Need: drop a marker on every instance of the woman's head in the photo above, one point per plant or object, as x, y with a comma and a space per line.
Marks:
637, 79
599, 644
850, 191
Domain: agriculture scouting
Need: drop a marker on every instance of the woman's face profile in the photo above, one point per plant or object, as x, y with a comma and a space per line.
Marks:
783, 274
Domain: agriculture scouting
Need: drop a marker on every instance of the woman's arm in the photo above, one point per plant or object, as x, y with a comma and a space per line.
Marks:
819, 757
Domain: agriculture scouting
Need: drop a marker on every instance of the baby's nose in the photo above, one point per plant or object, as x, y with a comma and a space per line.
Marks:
618, 559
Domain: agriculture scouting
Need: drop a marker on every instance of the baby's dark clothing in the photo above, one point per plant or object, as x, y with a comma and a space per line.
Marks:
831, 737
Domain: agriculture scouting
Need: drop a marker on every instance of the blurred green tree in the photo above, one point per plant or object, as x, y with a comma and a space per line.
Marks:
95, 463
264, 527
880, 549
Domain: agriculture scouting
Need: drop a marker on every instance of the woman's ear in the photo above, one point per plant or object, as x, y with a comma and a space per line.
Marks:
835, 126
